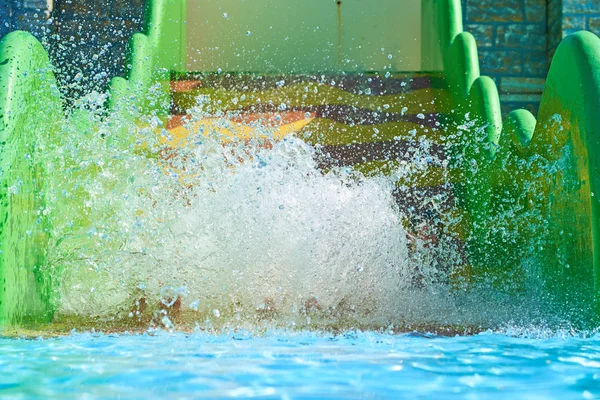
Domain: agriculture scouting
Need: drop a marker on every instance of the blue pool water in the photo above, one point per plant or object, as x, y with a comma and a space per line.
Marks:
301, 365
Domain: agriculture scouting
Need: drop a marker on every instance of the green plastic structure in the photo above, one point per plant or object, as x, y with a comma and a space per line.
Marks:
566, 133
152, 56
516, 160
29, 103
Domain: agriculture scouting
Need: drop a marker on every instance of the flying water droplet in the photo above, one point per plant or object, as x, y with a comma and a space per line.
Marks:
194, 305
168, 295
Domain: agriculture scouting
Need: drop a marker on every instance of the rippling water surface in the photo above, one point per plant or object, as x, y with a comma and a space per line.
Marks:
301, 365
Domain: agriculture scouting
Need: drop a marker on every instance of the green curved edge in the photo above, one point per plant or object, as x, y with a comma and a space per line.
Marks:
519, 125
568, 133
152, 56
571, 97
29, 104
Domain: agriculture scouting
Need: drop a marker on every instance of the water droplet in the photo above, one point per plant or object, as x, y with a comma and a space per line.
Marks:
216, 313
168, 295
167, 322
194, 305
224, 15
390, 56
248, 33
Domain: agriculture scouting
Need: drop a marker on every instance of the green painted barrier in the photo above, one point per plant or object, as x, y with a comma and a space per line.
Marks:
152, 56
546, 172
557, 161
29, 104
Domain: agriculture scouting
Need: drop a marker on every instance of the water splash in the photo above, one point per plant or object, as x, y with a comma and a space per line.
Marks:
247, 232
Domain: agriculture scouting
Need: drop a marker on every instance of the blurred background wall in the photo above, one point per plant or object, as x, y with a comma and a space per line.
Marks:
516, 38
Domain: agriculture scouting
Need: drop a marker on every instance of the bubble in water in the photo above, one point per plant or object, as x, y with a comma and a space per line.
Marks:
168, 295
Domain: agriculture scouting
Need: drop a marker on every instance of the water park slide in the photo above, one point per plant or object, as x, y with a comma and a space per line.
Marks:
520, 184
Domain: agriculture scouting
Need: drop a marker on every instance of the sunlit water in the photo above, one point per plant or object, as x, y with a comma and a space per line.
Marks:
301, 365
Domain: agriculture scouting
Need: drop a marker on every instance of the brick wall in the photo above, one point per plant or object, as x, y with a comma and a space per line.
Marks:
91, 39
27, 15
513, 47
580, 14
555, 31
517, 39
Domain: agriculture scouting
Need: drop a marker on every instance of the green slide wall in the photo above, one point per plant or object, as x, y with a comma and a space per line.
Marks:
547, 168
30, 105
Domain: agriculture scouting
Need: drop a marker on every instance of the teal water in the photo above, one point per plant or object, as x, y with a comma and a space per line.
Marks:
301, 366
